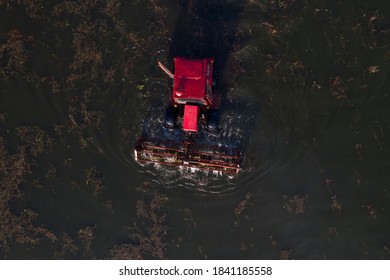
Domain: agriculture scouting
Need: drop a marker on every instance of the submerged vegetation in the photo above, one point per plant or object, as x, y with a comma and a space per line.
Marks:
82, 54
18, 223
150, 240
76, 78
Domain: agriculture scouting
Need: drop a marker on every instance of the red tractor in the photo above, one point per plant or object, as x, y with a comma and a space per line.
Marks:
192, 99
193, 91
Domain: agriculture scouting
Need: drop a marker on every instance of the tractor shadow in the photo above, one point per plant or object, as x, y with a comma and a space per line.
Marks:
206, 29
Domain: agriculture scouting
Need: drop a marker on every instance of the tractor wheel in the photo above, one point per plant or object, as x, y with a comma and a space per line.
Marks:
213, 120
170, 117
215, 78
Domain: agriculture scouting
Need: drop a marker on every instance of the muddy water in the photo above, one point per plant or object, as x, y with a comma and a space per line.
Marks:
305, 95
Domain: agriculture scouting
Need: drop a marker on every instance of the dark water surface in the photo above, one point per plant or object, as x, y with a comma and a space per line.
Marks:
305, 93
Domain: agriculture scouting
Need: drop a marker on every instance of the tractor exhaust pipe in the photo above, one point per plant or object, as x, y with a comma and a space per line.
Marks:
165, 69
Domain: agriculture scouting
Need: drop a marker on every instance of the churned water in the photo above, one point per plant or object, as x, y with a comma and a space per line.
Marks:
305, 95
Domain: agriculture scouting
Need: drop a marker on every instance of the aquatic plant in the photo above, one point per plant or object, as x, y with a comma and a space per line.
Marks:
150, 241
20, 224
14, 54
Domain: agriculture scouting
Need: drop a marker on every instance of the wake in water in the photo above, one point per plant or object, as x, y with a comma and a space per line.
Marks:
228, 139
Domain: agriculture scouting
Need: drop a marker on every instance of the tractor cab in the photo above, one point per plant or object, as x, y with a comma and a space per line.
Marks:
192, 89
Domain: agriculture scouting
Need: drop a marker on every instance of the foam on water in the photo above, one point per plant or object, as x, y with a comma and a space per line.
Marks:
231, 134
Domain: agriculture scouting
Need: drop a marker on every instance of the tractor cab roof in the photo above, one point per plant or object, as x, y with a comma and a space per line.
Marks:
191, 78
